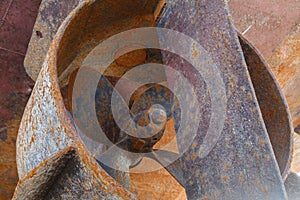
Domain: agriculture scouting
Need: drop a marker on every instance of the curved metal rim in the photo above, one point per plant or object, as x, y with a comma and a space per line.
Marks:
286, 171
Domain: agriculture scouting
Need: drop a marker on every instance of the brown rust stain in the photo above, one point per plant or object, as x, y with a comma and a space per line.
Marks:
158, 184
284, 62
225, 179
158, 9
226, 168
8, 167
133, 58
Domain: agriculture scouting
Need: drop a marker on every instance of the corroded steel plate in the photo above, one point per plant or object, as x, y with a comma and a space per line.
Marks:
241, 164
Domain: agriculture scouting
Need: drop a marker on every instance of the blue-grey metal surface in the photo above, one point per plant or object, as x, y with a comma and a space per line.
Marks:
242, 164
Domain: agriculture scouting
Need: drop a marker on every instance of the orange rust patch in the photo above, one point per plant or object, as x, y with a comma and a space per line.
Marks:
241, 178
262, 143
284, 62
226, 168
225, 179
158, 9
256, 157
8, 166
156, 185
249, 95
132, 58
266, 158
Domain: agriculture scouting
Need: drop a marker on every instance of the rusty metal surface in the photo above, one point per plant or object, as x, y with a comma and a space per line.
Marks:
249, 170
273, 106
285, 64
16, 21
265, 23
242, 159
69, 174
46, 128
274, 29
269, 93
50, 16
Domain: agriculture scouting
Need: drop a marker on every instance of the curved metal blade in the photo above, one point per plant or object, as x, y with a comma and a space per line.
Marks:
242, 164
